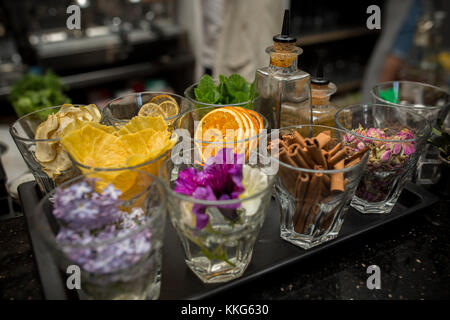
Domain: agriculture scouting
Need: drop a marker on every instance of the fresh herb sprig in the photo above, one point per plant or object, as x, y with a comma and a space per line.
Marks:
33, 92
231, 90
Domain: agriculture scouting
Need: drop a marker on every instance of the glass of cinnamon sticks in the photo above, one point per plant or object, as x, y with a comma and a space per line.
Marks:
318, 175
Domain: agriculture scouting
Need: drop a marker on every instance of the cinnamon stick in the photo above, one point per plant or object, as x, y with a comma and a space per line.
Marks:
312, 197
297, 157
358, 154
317, 155
353, 162
321, 140
337, 179
335, 149
301, 186
340, 155
298, 138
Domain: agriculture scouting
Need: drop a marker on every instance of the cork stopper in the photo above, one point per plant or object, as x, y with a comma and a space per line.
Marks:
284, 52
321, 88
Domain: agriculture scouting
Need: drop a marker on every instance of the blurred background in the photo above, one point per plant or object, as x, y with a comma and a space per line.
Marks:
136, 45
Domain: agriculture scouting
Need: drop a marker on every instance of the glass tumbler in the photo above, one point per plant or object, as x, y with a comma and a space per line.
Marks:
313, 202
114, 239
48, 173
396, 137
120, 110
221, 250
427, 100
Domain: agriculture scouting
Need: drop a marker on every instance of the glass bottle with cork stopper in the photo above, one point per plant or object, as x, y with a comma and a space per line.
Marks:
284, 91
322, 111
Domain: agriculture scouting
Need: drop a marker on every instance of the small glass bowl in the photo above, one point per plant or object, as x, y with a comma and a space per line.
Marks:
385, 175
120, 110
47, 174
126, 266
312, 208
222, 250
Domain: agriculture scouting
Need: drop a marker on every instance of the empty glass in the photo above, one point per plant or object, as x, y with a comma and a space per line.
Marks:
396, 137
429, 101
114, 237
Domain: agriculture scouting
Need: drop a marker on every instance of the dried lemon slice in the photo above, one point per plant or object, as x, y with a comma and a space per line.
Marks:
161, 98
150, 110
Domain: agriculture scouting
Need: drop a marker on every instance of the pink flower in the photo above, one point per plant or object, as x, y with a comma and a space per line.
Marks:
397, 148
408, 149
386, 155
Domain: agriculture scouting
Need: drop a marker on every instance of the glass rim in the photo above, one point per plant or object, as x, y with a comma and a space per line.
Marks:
207, 202
93, 244
327, 171
15, 136
426, 130
192, 86
108, 104
104, 169
224, 143
422, 84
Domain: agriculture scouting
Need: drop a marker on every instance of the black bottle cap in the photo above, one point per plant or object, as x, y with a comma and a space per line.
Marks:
319, 78
284, 37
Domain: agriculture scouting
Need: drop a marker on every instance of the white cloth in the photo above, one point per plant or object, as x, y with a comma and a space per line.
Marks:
247, 31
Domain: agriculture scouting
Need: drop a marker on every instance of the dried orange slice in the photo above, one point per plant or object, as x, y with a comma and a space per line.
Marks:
258, 118
219, 125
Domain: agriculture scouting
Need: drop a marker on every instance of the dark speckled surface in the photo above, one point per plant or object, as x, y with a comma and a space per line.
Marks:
413, 255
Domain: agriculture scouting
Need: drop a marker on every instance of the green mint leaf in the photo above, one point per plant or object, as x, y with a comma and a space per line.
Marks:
206, 90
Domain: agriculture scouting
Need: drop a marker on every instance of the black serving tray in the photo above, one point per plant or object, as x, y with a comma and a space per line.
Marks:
270, 252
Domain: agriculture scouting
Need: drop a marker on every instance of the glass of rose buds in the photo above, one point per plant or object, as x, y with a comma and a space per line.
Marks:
317, 178
111, 230
395, 137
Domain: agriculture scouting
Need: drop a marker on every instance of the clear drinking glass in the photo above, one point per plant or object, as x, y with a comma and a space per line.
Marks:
392, 160
222, 250
118, 111
314, 202
189, 124
47, 174
115, 239
427, 100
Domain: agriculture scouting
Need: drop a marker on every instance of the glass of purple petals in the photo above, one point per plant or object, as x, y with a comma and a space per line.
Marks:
395, 136
217, 208
110, 233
